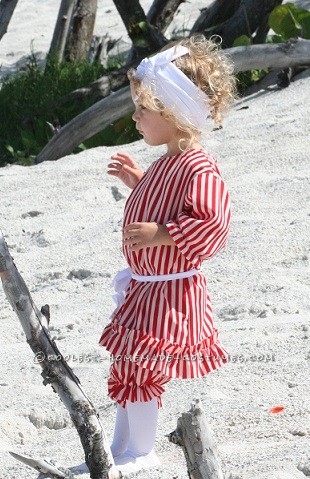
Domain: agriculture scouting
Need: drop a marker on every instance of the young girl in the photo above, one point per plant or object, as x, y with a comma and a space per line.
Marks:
177, 215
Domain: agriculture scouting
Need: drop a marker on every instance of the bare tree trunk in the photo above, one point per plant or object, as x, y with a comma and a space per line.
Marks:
145, 38
240, 17
97, 117
62, 29
7, 8
56, 371
161, 13
82, 29
104, 85
194, 435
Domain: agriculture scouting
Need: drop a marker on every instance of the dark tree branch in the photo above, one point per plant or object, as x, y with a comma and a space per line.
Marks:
242, 19
217, 13
7, 8
145, 38
97, 90
262, 31
161, 13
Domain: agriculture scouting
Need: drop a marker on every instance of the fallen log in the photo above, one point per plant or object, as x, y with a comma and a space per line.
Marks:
56, 371
194, 435
295, 52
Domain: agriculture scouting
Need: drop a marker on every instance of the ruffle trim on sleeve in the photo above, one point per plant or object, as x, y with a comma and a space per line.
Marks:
171, 359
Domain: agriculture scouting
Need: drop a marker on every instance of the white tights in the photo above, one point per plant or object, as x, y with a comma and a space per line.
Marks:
134, 436
121, 432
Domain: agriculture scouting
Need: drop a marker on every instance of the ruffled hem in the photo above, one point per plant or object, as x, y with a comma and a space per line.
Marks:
121, 393
160, 355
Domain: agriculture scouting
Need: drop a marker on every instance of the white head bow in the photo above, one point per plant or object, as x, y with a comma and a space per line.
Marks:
173, 88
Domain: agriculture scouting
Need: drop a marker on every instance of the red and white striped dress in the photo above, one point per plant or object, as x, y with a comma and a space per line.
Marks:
167, 327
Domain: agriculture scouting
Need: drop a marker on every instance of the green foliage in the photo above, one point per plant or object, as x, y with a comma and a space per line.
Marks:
290, 21
249, 78
138, 33
30, 106
275, 39
242, 41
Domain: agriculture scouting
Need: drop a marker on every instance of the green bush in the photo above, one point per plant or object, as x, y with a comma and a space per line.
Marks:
30, 108
289, 21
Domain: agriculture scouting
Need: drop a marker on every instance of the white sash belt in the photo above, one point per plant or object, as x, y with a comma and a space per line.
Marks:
123, 278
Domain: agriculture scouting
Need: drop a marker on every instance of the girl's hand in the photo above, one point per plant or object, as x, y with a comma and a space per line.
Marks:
142, 235
126, 169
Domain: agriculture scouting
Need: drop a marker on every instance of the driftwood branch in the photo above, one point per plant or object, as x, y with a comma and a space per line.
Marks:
56, 371
46, 468
106, 111
7, 8
87, 124
96, 90
295, 52
194, 435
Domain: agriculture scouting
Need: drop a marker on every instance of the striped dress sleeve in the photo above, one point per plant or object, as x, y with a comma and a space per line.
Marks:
201, 228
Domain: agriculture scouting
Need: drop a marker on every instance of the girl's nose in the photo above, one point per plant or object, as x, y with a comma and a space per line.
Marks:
135, 116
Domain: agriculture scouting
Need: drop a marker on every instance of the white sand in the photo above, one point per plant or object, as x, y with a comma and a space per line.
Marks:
69, 249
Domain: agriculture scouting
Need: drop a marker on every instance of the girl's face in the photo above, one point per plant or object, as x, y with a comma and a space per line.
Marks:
155, 129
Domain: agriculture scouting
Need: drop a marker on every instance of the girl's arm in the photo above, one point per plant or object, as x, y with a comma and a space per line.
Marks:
200, 231
125, 169
142, 235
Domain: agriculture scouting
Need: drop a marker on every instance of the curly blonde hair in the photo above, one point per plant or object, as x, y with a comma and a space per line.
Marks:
206, 66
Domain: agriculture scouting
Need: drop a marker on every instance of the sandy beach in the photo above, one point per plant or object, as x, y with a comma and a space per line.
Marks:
62, 222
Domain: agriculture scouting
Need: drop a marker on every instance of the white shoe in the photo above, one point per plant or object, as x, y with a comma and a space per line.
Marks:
128, 463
